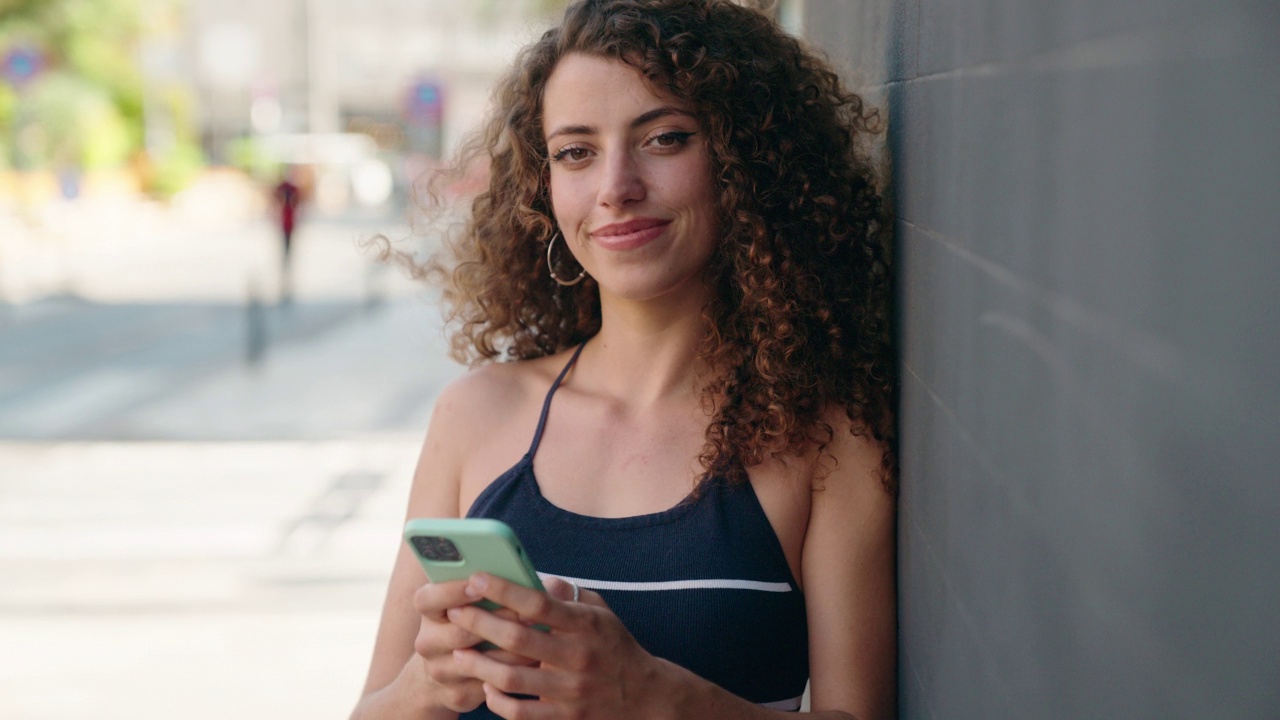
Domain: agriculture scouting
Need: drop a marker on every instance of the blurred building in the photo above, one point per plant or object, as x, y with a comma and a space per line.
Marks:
413, 75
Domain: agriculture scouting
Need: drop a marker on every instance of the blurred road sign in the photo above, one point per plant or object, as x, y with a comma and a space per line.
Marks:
425, 103
21, 64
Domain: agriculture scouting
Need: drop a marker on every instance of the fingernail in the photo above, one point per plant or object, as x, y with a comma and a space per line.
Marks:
477, 586
452, 613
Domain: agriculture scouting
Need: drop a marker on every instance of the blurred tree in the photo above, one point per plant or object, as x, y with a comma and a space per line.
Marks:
86, 107
80, 125
8, 108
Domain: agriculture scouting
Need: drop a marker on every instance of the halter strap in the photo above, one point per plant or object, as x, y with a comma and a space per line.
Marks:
546, 404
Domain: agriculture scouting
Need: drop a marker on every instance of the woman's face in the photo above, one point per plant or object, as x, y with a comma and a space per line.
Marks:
630, 179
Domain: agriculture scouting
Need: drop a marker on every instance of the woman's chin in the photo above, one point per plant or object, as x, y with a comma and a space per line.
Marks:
647, 287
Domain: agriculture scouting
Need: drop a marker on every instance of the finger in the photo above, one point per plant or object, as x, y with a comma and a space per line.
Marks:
592, 598
463, 700
558, 588
531, 605
437, 638
507, 657
524, 708
471, 640
563, 590
510, 679
461, 697
514, 637
506, 614
549, 685
445, 672
435, 598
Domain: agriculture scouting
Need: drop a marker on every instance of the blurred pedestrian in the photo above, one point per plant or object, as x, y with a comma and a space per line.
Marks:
288, 198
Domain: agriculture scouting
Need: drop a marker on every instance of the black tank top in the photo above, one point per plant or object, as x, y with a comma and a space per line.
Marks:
704, 584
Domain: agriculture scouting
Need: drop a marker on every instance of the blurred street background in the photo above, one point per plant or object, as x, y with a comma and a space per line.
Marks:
205, 449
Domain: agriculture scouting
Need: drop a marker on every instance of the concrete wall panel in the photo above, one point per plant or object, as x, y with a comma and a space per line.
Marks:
1088, 241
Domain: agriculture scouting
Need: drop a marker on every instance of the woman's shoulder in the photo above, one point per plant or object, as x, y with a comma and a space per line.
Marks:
851, 462
487, 394
481, 424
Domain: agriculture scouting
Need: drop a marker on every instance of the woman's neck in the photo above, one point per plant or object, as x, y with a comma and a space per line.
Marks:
646, 352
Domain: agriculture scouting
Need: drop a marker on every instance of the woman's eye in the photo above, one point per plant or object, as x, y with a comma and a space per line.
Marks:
572, 154
674, 138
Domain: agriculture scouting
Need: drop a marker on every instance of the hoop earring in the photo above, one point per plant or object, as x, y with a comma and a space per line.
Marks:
551, 268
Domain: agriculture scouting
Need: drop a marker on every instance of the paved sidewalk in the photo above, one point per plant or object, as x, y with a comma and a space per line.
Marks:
194, 580
229, 559
218, 579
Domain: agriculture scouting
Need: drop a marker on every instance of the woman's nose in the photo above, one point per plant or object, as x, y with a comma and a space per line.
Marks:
621, 182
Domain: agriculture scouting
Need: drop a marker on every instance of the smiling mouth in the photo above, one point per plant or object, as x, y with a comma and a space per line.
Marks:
629, 235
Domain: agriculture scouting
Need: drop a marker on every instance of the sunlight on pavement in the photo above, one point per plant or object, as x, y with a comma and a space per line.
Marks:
216, 580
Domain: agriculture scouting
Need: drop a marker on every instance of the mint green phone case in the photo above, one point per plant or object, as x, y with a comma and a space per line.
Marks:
484, 545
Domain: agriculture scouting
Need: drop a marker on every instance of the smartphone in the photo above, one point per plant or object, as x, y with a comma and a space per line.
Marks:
454, 548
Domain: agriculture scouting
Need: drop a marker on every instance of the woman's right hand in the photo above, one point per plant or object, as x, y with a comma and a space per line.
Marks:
438, 638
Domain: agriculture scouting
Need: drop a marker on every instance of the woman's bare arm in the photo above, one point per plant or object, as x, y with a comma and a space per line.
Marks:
848, 567
396, 685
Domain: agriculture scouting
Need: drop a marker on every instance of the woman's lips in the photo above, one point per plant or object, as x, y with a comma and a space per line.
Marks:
629, 235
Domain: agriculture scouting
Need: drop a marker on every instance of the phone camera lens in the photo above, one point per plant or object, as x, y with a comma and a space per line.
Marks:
437, 549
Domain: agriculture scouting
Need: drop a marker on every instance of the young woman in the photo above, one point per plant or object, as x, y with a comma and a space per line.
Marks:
680, 252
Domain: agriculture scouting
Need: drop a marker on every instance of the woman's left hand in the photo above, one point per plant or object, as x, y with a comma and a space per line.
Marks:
589, 665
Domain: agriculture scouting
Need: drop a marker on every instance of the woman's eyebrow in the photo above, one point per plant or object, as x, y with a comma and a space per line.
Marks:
656, 113
641, 119
571, 130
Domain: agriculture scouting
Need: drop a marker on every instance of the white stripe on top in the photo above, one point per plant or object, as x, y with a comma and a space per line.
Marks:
708, 584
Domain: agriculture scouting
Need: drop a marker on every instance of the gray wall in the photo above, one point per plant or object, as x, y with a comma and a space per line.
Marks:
1089, 253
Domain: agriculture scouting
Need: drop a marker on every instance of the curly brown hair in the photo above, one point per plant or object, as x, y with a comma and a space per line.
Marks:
799, 318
